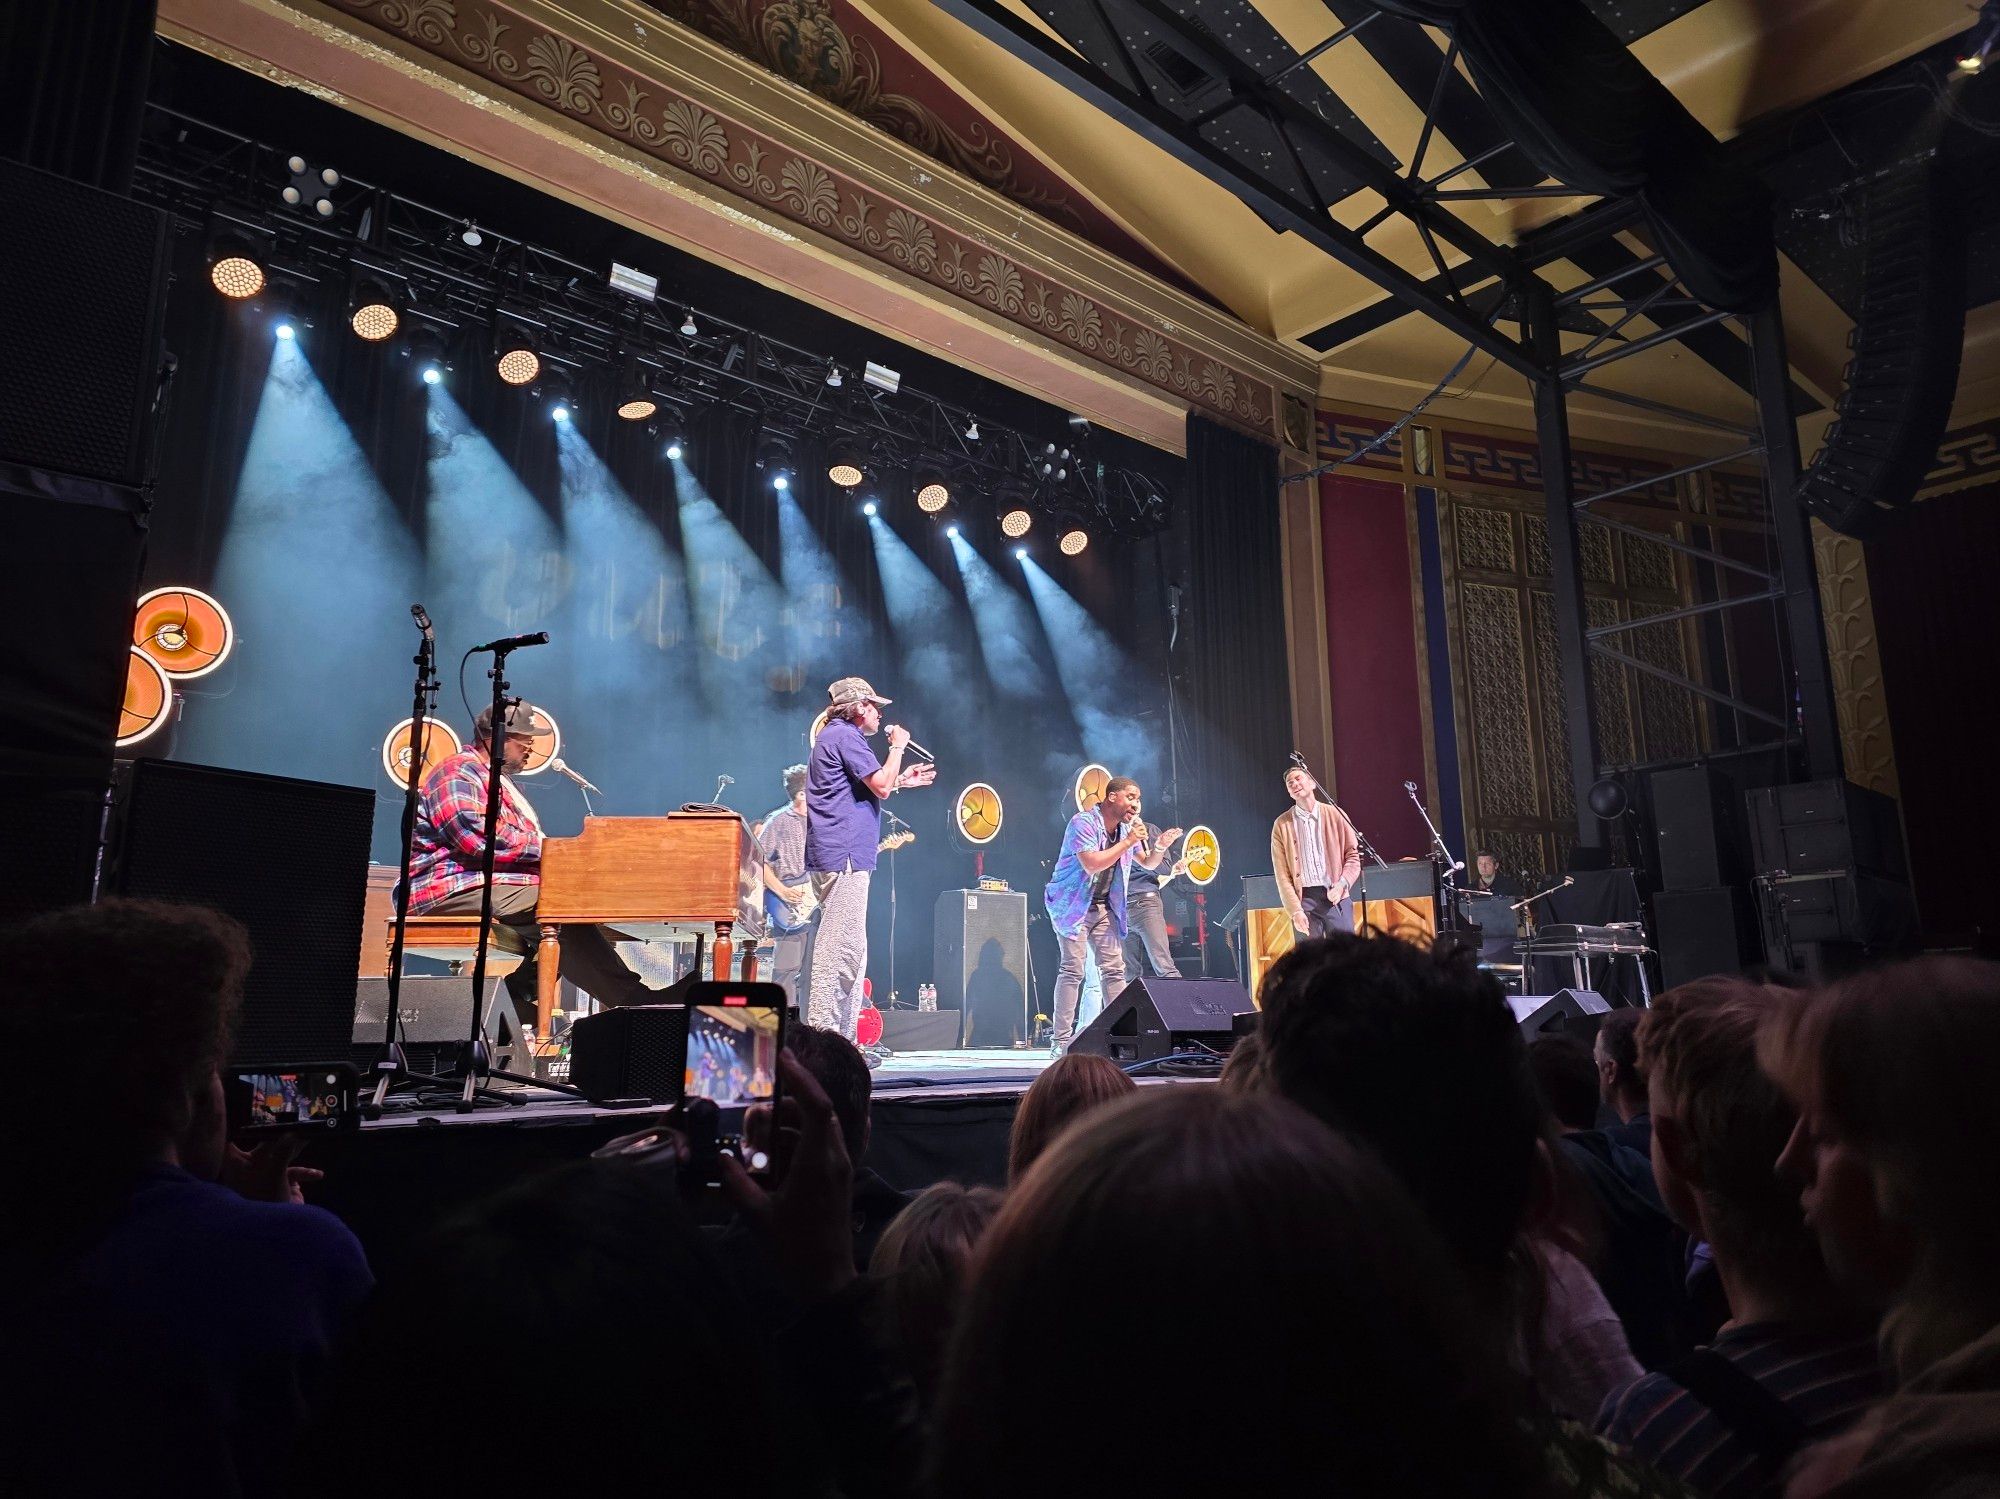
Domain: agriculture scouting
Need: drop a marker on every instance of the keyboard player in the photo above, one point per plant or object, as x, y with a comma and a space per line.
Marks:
450, 843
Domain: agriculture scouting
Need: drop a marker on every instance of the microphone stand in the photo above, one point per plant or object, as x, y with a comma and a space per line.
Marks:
394, 1068
477, 1066
1442, 861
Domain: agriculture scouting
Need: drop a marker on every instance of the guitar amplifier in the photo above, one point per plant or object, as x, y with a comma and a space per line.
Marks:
979, 962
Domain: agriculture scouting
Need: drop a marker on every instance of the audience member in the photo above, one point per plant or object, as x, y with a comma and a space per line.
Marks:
177, 1327
1341, 1350
1070, 1087
1243, 1072
920, 1263
1417, 1055
842, 1071
1892, 1072
1792, 1365
1637, 1253
1621, 1079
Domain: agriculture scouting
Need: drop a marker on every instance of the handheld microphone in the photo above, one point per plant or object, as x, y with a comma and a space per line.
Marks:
513, 642
423, 620
562, 769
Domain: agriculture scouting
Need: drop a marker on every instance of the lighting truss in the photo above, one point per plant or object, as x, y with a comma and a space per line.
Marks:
577, 322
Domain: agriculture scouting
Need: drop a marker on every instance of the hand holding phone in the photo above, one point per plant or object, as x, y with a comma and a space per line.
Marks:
806, 1220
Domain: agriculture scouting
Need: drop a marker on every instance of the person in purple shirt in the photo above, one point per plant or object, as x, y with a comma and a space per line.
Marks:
845, 788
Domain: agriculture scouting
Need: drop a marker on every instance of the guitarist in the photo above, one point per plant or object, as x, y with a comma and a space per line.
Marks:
1145, 915
787, 892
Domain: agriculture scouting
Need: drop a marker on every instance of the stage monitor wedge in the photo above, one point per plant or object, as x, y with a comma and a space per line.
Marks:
1568, 1012
1153, 1018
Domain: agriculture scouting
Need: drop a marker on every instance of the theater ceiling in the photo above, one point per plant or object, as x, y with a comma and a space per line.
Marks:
960, 196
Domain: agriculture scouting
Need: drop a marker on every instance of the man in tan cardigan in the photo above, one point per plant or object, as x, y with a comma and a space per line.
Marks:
1316, 858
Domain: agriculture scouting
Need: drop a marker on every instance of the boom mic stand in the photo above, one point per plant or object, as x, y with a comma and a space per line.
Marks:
477, 1068
1441, 860
394, 1068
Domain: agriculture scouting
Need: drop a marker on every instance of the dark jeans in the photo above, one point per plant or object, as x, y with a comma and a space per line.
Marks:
1146, 936
1325, 917
588, 959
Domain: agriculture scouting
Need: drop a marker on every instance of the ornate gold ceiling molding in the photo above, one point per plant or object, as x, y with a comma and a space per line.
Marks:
614, 79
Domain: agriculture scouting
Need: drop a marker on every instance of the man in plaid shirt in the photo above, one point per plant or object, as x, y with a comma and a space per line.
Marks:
450, 844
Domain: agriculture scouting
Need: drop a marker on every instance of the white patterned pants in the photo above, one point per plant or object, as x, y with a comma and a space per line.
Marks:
840, 951
1099, 938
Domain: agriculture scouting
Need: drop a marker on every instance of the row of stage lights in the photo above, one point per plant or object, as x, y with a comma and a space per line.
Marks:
237, 273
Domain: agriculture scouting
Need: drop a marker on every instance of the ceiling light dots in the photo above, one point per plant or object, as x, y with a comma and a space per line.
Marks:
309, 188
236, 265
515, 357
374, 316
635, 402
932, 488
1073, 541
847, 461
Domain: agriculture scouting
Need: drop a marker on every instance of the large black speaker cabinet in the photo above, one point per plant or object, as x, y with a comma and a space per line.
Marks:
1692, 826
979, 962
1153, 1018
436, 1020
1909, 328
288, 859
80, 344
1699, 933
1819, 827
1567, 1012
635, 1051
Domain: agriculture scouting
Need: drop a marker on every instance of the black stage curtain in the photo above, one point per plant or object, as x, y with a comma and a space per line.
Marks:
1930, 576
1231, 659
1588, 112
73, 86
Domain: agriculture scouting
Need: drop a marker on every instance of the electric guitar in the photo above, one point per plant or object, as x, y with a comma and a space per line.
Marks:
791, 915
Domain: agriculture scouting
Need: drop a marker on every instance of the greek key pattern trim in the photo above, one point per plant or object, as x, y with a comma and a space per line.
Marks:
553, 71
1965, 458
1499, 462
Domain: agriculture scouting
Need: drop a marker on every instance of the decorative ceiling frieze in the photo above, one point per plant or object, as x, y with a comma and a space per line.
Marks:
785, 168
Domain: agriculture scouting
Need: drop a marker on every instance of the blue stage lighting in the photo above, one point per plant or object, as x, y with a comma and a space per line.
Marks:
952, 532
432, 374
673, 452
285, 330
870, 509
779, 481
560, 411
1020, 554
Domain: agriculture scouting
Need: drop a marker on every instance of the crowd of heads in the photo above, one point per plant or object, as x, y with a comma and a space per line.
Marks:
1382, 1251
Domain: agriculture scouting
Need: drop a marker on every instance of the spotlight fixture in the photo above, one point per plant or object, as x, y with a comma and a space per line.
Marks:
674, 434
426, 348
432, 374
688, 328
284, 329
972, 431
560, 391
1020, 554
374, 316
1053, 465
1074, 540
774, 457
470, 236
635, 395
310, 189
781, 482
236, 265
871, 509
933, 492
846, 461
514, 355
559, 412
1015, 516
834, 378
951, 532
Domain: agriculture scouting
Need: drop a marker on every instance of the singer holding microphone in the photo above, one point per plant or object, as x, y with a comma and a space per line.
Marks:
1086, 894
845, 788
1316, 858
450, 846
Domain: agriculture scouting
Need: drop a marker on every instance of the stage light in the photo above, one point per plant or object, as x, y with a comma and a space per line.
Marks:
374, 316
674, 448
952, 532
432, 374
846, 461
310, 187
186, 631
774, 456
236, 264
674, 434
635, 395
1053, 464
780, 482
1981, 40
933, 491
284, 328
688, 329
1015, 519
470, 236
834, 379
1020, 554
972, 431
1074, 540
871, 510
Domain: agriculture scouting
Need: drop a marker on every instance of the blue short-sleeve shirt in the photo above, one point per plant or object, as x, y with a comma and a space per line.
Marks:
843, 817
1070, 887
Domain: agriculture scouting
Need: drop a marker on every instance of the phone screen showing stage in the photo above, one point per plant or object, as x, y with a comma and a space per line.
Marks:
732, 1051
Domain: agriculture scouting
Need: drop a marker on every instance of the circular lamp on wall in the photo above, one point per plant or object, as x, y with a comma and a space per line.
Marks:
1203, 853
439, 743
1090, 784
184, 630
148, 698
976, 813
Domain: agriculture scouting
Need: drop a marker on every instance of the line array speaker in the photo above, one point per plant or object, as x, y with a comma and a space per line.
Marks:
208, 837
1699, 933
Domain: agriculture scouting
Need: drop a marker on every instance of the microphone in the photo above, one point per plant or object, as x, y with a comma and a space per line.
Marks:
1411, 787
513, 642
562, 769
912, 744
423, 620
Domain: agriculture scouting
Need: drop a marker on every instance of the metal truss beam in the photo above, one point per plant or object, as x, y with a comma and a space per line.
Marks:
1686, 611
1645, 403
1748, 710
1686, 548
1008, 31
1575, 369
1673, 473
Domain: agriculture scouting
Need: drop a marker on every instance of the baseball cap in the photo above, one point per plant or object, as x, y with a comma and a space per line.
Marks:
853, 690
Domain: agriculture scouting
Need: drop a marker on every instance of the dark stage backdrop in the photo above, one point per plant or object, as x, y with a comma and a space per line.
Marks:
318, 488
